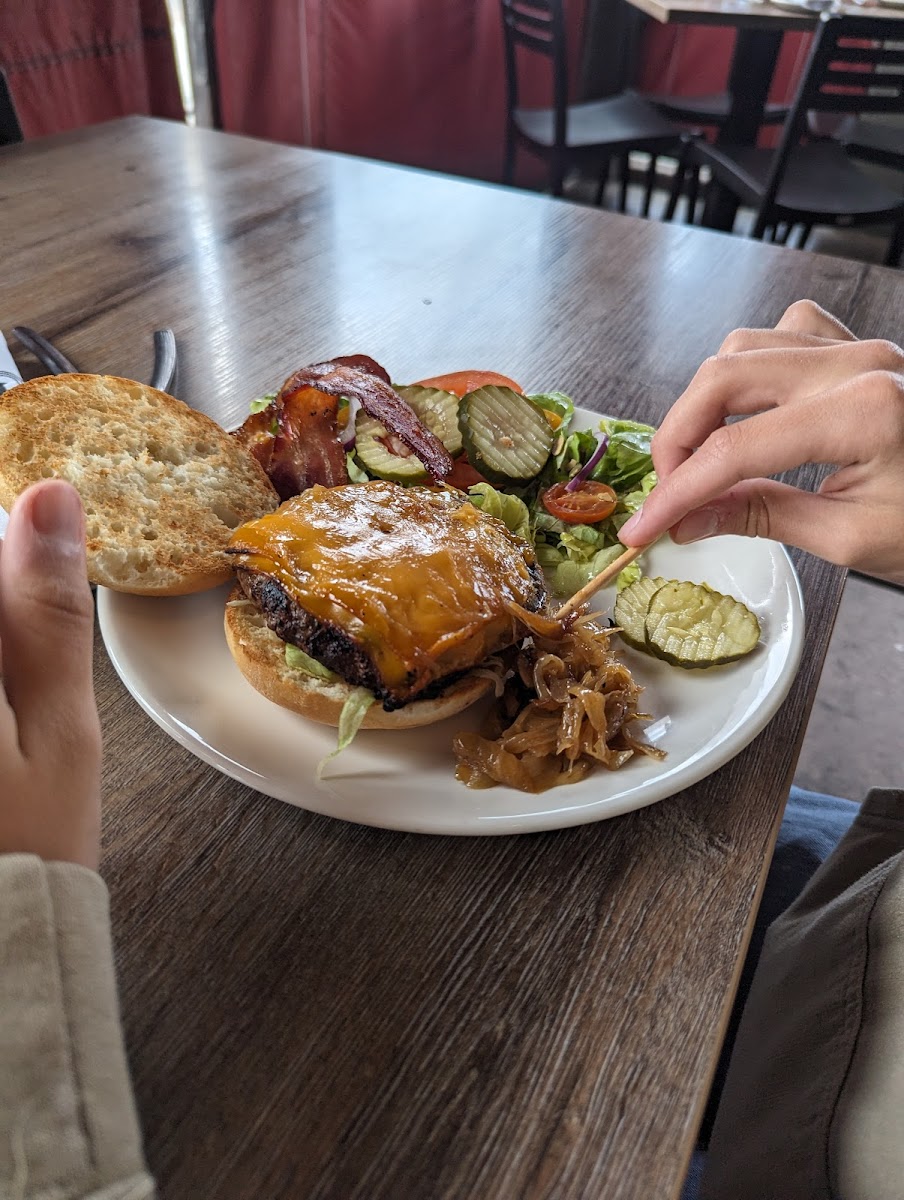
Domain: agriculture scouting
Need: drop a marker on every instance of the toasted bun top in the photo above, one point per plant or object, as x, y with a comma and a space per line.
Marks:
163, 485
261, 656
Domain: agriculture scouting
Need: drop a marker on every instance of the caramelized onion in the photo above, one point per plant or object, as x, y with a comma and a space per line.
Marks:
569, 704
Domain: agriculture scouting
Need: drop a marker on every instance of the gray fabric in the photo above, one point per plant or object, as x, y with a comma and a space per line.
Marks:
68, 1126
812, 1103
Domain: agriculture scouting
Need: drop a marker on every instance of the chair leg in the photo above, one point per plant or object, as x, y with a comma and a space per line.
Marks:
649, 184
556, 176
681, 170
603, 180
624, 167
896, 245
675, 193
508, 162
693, 189
804, 236
782, 232
760, 226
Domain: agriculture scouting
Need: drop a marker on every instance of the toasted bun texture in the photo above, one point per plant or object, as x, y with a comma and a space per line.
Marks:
261, 656
163, 485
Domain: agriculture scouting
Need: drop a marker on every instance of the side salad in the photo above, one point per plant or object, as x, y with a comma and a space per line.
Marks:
519, 458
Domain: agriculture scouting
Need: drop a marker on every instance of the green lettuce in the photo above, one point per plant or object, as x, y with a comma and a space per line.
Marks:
577, 449
570, 576
299, 661
511, 510
261, 402
628, 575
583, 542
545, 523
548, 555
628, 456
555, 402
354, 710
631, 501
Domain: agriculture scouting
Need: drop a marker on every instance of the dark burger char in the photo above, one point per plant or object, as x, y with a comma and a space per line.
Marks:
323, 641
335, 648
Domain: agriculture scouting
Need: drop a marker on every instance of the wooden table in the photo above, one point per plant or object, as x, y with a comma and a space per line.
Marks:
314, 1009
747, 14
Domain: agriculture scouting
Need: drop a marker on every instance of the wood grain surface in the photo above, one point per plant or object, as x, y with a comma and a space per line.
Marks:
748, 14
314, 1009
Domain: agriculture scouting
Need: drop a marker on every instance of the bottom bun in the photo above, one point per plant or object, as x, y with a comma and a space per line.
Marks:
261, 657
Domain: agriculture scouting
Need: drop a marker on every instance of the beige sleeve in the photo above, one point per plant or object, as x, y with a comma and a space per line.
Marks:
68, 1126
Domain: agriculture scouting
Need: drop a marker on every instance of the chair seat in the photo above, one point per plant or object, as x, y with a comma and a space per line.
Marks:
879, 143
709, 110
626, 120
820, 180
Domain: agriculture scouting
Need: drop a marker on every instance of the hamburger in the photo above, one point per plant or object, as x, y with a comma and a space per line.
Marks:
380, 601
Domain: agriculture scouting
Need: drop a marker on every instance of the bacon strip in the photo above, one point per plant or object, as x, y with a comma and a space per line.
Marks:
306, 448
256, 435
379, 400
360, 362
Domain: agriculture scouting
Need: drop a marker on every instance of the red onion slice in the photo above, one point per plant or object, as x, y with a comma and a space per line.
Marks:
602, 443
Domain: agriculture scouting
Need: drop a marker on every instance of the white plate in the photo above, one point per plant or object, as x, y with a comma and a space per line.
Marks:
172, 656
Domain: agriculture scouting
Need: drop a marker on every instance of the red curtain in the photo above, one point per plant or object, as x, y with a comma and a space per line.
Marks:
400, 80
74, 62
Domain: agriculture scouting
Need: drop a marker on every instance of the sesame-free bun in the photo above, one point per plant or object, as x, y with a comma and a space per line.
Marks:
261, 657
163, 485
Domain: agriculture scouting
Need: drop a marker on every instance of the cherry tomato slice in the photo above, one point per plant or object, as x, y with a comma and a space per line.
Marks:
588, 503
459, 383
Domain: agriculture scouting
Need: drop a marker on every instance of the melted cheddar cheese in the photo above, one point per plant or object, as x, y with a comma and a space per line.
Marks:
416, 576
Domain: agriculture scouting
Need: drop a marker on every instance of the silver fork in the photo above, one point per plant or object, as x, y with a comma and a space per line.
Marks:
165, 355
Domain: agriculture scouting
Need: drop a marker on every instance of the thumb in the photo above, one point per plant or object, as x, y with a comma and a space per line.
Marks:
47, 621
768, 509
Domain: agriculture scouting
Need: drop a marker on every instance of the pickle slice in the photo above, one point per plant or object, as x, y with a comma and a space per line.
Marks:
630, 612
507, 439
691, 625
438, 411
383, 454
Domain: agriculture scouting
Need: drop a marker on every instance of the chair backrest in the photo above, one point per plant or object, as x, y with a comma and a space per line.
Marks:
537, 27
854, 66
10, 129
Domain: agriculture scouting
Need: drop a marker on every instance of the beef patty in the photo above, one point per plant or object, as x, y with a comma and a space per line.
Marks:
398, 590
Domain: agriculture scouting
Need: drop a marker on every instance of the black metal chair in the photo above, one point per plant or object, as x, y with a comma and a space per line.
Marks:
590, 134
709, 110
881, 144
10, 129
817, 183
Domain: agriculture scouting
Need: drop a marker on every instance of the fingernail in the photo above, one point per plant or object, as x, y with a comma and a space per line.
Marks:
631, 524
56, 516
697, 525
